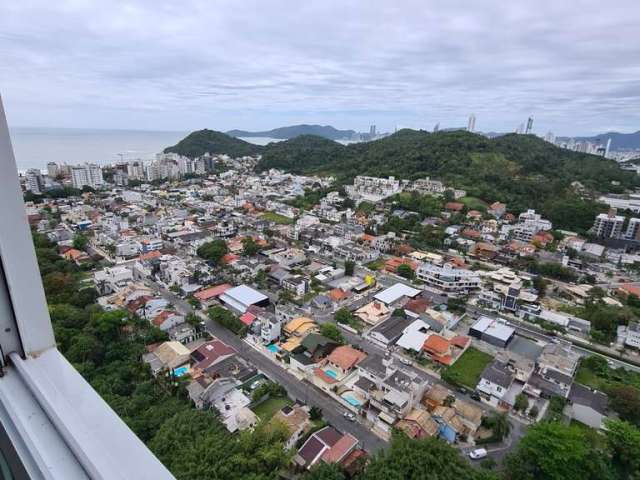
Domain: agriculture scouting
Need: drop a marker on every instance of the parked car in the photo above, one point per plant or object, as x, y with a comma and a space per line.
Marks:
406, 361
478, 453
349, 416
475, 396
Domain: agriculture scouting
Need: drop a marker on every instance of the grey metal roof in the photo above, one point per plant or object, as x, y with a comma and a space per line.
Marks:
393, 327
498, 373
582, 395
373, 364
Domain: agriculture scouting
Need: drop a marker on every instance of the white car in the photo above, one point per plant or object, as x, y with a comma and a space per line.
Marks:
349, 416
406, 361
478, 453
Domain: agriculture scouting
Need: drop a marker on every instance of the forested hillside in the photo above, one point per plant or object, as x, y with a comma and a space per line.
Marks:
209, 141
520, 170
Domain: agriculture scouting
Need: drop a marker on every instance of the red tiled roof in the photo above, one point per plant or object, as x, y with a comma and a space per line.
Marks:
470, 233
208, 353
161, 317
247, 318
352, 459
392, 264
150, 255
456, 206
73, 253
230, 258
346, 357
630, 288
437, 344
212, 292
340, 449
460, 341
338, 294
138, 302
417, 305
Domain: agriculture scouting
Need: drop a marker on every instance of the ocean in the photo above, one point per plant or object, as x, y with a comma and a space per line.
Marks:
35, 147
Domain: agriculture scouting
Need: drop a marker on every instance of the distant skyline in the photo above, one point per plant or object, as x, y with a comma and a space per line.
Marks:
261, 64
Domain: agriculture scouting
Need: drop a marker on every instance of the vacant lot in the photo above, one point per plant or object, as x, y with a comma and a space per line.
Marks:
277, 218
473, 203
468, 368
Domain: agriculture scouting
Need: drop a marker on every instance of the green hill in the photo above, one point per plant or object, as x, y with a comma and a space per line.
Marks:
202, 141
520, 170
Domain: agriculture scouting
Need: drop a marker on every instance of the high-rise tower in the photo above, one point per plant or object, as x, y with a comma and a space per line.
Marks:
471, 126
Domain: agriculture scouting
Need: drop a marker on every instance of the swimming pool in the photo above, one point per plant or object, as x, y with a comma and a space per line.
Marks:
178, 372
352, 401
272, 347
331, 373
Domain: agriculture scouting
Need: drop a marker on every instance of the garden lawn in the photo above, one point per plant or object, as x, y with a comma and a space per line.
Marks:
277, 218
468, 368
473, 203
269, 407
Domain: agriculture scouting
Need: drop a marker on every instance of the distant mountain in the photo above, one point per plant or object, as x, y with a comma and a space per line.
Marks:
285, 133
619, 141
209, 141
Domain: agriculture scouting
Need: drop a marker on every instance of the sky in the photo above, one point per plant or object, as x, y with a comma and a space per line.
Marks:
259, 64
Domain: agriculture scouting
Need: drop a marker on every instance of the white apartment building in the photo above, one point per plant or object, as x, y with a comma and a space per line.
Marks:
88, 174
633, 229
135, 170
448, 280
373, 189
428, 186
530, 223
34, 182
52, 169
608, 225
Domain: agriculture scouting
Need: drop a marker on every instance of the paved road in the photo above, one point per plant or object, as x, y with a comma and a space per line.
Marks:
529, 330
297, 389
311, 395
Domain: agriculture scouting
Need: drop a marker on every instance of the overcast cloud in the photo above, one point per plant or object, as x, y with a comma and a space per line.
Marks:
180, 65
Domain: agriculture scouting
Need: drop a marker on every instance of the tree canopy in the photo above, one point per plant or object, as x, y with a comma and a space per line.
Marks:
213, 251
427, 459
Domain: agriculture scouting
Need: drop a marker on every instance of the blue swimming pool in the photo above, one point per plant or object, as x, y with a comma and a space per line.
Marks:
352, 401
272, 347
331, 373
178, 372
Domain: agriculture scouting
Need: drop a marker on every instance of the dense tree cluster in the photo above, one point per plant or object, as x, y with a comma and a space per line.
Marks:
250, 247
409, 459
330, 330
555, 451
227, 319
310, 198
204, 141
213, 251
